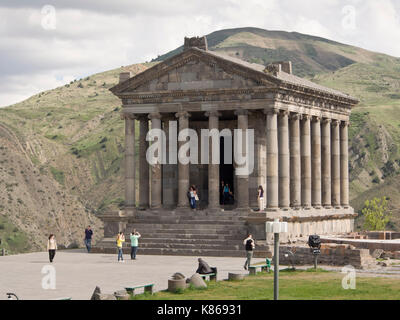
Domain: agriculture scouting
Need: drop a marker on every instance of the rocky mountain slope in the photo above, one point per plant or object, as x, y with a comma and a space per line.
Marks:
61, 150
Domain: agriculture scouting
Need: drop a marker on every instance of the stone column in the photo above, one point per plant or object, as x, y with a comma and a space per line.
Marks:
213, 169
335, 163
144, 173
295, 160
183, 169
130, 181
156, 175
316, 162
242, 191
272, 159
306, 162
344, 164
326, 162
284, 160
169, 170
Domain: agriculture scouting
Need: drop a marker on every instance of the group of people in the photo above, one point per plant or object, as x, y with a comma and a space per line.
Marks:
249, 244
52, 243
134, 237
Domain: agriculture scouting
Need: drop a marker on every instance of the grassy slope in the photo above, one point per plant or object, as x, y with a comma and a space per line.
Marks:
298, 285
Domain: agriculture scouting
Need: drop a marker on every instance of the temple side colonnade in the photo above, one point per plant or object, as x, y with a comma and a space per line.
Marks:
306, 161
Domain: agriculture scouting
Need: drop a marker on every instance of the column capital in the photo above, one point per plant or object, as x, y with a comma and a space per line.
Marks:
212, 113
143, 117
316, 119
241, 112
305, 117
326, 120
335, 122
284, 113
271, 111
167, 117
126, 115
154, 115
182, 114
294, 116
344, 124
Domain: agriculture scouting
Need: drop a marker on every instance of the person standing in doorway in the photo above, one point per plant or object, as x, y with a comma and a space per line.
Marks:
249, 246
120, 241
192, 198
261, 203
134, 243
226, 194
88, 238
51, 247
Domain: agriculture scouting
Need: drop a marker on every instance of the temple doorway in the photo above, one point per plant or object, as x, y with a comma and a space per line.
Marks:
226, 175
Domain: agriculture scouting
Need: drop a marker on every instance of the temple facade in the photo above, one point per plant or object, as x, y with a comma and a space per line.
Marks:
300, 141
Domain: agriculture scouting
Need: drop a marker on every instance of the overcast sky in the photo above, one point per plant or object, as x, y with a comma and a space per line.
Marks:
45, 44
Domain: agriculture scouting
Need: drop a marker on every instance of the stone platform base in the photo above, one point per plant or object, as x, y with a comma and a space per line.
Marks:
303, 222
331, 254
216, 232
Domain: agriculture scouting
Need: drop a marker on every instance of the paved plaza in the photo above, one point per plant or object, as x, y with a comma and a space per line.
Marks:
78, 273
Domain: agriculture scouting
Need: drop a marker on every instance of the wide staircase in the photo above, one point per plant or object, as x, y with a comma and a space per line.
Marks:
188, 233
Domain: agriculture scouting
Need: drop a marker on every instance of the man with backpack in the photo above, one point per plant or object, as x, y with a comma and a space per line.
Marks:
249, 246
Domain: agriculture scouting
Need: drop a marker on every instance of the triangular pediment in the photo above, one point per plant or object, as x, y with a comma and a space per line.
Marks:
195, 69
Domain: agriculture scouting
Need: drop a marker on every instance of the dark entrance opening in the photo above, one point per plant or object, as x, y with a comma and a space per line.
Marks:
225, 175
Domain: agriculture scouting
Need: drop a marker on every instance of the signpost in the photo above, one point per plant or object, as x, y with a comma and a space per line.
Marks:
276, 228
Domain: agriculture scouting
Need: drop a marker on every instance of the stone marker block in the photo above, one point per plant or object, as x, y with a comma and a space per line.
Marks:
197, 281
96, 291
176, 284
377, 253
235, 276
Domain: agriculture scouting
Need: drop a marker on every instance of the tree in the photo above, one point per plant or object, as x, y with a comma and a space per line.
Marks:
376, 213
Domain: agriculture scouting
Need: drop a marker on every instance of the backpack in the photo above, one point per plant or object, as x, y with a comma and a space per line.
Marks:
249, 245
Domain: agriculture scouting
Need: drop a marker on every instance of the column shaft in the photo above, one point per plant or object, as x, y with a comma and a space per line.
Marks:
213, 169
284, 161
316, 162
144, 173
183, 169
130, 185
295, 160
242, 191
272, 159
344, 164
305, 162
335, 156
156, 175
326, 162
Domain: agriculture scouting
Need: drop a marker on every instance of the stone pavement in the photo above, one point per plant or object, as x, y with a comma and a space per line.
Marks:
78, 273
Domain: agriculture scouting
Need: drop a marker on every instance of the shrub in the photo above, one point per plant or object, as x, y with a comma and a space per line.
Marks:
377, 214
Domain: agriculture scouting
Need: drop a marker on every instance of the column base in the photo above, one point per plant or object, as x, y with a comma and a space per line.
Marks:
327, 206
317, 206
307, 208
274, 209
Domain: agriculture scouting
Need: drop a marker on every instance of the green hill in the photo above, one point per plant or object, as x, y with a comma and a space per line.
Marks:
72, 136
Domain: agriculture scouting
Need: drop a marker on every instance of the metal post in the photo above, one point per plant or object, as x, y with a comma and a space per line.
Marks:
315, 261
276, 266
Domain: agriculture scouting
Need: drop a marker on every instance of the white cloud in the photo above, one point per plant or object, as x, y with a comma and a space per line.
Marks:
93, 36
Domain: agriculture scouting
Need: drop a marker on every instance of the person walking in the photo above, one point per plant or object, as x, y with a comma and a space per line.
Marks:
261, 203
51, 247
120, 241
250, 246
88, 238
134, 243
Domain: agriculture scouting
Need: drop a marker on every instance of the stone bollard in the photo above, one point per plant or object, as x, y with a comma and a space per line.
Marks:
235, 276
122, 295
176, 284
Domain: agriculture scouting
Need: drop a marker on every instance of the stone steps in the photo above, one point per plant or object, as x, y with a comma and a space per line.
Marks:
189, 233
185, 252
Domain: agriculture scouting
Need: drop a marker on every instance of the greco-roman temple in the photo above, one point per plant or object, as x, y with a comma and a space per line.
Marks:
300, 155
